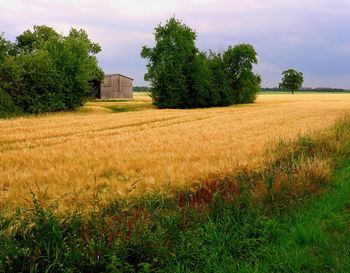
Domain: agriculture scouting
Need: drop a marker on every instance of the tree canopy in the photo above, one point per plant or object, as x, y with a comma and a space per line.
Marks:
181, 76
238, 61
291, 80
46, 71
174, 67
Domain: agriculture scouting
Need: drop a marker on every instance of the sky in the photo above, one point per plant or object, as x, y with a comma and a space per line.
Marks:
312, 36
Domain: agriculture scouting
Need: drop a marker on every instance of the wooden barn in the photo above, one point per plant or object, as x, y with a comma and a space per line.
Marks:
115, 86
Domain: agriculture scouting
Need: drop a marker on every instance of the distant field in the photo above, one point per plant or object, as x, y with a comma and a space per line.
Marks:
102, 151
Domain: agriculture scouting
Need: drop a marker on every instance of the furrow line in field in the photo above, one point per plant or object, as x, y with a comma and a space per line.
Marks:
32, 143
80, 133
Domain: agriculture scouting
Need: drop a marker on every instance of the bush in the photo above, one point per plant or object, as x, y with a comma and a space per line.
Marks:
7, 107
45, 71
34, 83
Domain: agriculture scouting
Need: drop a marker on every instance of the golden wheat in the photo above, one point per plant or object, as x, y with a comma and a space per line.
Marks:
76, 156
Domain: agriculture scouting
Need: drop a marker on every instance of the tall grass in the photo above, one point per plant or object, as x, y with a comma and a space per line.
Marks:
222, 225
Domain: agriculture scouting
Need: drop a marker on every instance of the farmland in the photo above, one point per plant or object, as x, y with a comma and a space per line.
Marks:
118, 148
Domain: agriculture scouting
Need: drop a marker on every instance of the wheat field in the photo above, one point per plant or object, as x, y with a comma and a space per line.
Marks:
70, 158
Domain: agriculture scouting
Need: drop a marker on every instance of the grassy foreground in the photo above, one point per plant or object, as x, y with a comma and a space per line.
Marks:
291, 215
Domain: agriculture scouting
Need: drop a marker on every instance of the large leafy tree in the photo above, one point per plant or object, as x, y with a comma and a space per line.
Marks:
183, 77
292, 80
176, 68
238, 64
48, 71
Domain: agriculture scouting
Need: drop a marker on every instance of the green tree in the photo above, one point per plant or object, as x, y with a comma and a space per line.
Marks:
7, 106
176, 68
291, 80
183, 77
238, 64
76, 60
220, 91
48, 71
3, 48
30, 41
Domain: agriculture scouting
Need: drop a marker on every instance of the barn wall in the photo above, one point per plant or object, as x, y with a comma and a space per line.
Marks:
116, 86
125, 86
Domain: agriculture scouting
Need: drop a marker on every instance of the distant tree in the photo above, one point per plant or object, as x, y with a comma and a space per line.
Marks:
140, 89
291, 80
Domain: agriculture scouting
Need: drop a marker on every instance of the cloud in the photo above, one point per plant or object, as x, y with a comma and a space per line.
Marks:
311, 36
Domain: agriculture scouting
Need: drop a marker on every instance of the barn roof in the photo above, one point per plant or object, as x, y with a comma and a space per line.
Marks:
117, 74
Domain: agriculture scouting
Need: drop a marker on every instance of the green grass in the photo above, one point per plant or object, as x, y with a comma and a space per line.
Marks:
129, 107
313, 237
220, 227
316, 236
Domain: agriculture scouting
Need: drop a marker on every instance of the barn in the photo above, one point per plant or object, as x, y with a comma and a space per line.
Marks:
115, 86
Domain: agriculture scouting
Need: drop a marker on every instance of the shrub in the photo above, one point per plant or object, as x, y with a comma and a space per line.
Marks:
7, 107
47, 71
34, 84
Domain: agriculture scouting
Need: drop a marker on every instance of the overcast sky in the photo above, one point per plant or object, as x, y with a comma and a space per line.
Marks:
312, 36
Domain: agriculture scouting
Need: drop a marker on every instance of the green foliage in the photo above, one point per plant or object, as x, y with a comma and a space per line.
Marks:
30, 41
6, 48
174, 67
3, 48
140, 89
291, 80
220, 91
308, 89
238, 62
7, 106
32, 81
49, 71
183, 77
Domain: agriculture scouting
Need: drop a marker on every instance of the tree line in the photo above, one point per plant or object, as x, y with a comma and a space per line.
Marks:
44, 71
308, 89
141, 89
181, 76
